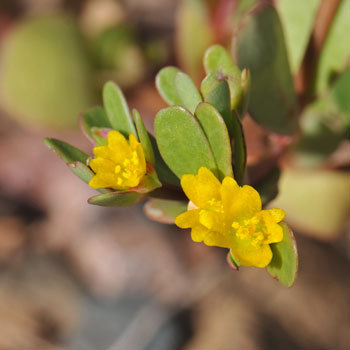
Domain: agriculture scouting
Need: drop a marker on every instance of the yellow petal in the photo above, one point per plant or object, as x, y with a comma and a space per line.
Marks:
218, 239
141, 157
244, 203
249, 255
277, 214
198, 233
102, 165
228, 191
272, 230
116, 140
133, 141
188, 219
201, 188
103, 181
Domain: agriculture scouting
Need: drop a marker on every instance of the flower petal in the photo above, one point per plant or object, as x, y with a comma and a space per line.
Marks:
103, 181
188, 219
244, 203
249, 255
101, 165
202, 187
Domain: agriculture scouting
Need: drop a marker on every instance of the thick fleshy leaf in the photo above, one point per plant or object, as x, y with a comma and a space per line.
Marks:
284, 264
94, 118
65, 151
81, 170
164, 211
163, 171
217, 58
273, 101
117, 109
187, 91
193, 35
182, 142
116, 199
144, 138
239, 151
165, 83
232, 261
219, 96
216, 132
246, 84
149, 183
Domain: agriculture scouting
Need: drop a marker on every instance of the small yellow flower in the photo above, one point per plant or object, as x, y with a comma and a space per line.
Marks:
119, 165
230, 216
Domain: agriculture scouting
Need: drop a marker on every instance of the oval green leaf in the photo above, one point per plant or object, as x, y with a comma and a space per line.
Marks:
182, 142
216, 58
219, 96
216, 132
117, 109
66, 151
284, 264
94, 118
144, 138
116, 199
187, 91
165, 83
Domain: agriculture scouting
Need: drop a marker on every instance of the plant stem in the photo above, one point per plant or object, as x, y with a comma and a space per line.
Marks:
305, 78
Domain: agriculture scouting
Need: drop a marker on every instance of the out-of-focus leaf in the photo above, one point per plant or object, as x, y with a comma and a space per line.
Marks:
165, 83
45, 72
215, 129
95, 117
193, 35
335, 53
317, 202
297, 17
182, 142
232, 261
116, 199
65, 151
239, 151
117, 109
164, 211
246, 84
284, 264
163, 171
144, 138
268, 186
219, 97
260, 47
187, 91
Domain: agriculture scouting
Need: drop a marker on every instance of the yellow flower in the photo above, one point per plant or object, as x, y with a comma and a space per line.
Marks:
120, 164
230, 216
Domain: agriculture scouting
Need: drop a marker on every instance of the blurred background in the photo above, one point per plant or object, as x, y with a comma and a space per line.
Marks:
81, 277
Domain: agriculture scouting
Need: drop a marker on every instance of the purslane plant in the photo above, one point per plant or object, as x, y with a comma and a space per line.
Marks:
198, 152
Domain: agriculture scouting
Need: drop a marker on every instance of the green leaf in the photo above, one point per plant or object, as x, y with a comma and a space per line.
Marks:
284, 264
144, 138
149, 183
182, 142
117, 109
232, 261
260, 47
65, 151
163, 171
187, 91
165, 83
217, 58
81, 170
164, 211
193, 35
240, 150
215, 129
94, 118
246, 87
116, 199
219, 97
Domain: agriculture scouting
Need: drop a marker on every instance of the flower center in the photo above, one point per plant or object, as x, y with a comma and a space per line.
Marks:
250, 229
128, 171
